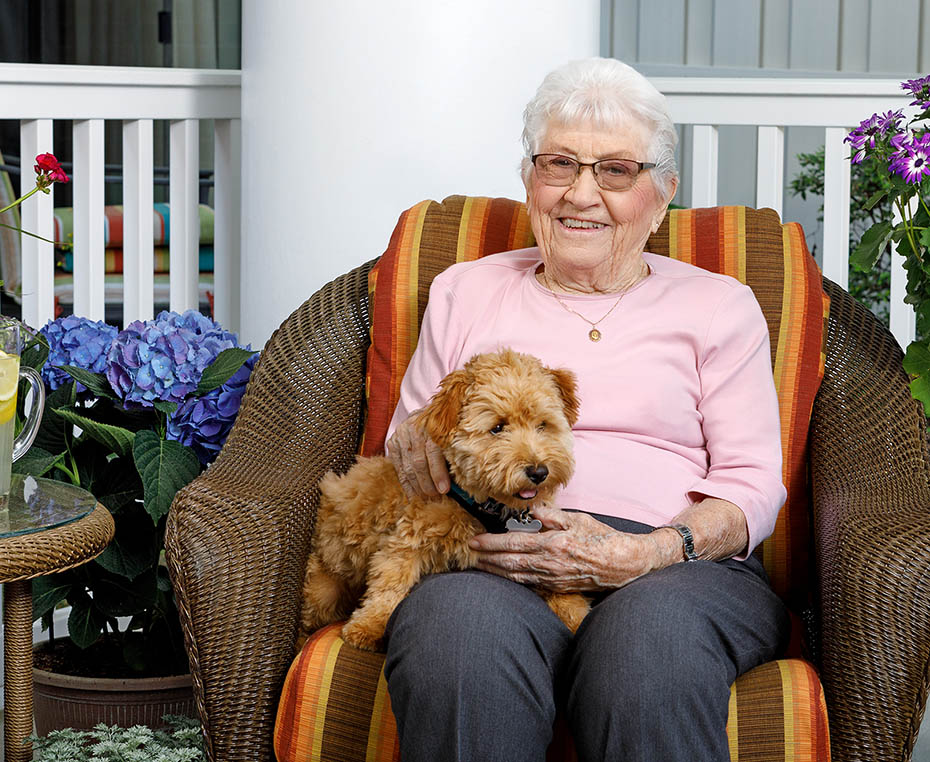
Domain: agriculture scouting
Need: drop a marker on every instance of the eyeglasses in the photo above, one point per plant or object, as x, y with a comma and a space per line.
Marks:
610, 174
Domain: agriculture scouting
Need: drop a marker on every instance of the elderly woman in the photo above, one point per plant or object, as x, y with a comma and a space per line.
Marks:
678, 473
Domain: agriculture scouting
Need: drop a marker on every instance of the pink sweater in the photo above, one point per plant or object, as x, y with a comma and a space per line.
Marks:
677, 398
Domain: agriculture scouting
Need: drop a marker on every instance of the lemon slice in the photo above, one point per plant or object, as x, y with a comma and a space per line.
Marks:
9, 379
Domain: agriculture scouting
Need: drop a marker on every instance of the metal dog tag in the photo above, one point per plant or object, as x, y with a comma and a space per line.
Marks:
516, 525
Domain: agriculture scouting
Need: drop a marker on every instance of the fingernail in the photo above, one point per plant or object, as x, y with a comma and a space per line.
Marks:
474, 544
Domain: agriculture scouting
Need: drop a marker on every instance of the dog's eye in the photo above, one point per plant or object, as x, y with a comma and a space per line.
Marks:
498, 429
541, 426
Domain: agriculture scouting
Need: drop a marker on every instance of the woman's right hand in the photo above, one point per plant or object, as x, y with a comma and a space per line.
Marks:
420, 465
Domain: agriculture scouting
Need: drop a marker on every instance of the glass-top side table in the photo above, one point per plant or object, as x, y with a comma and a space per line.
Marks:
35, 505
45, 527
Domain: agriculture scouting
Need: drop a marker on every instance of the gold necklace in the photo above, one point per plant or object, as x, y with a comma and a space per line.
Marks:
594, 334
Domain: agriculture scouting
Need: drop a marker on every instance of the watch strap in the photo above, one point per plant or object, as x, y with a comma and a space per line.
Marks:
687, 538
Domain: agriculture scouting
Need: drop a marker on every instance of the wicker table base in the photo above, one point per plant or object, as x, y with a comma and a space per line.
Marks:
23, 557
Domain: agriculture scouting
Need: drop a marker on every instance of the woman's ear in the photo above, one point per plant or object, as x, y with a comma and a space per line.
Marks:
660, 214
567, 384
441, 415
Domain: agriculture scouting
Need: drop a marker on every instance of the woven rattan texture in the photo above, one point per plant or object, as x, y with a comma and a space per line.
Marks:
869, 468
53, 550
238, 536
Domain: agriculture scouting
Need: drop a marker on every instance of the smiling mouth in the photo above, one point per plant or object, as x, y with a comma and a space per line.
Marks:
574, 224
527, 494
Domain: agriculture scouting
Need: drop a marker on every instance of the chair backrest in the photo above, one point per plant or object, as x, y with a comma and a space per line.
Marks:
748, 244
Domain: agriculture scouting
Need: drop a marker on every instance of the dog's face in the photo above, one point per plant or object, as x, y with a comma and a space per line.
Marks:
504, 423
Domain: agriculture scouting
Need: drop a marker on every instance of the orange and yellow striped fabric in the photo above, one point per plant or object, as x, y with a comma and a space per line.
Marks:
748, 244
335, 704
335, 708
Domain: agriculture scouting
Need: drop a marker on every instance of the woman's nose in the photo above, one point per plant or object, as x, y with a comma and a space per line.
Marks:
584, 191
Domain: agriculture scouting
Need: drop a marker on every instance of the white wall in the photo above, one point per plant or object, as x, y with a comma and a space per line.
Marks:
352, 111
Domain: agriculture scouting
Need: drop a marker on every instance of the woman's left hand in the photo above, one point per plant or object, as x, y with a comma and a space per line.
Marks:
573, 553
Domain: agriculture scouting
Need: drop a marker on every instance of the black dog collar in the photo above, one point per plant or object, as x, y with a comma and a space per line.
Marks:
491, 513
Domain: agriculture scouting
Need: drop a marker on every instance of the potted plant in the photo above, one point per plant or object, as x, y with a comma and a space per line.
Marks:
131, 416
899, 149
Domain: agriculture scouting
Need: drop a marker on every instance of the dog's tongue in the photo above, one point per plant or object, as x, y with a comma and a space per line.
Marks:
528, 494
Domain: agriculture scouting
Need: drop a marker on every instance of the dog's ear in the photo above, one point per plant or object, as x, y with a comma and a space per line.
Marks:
441, 415
568, 387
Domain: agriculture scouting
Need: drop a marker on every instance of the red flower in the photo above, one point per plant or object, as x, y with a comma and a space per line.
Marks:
48, 171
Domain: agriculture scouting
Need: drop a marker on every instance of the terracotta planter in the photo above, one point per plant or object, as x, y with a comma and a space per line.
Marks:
65, 701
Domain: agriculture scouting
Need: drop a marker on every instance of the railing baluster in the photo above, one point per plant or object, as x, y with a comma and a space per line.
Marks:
227, 194
88, 219
35, 137
704, 166
902, 320
770, 168
138, 237
836, 174
185, 215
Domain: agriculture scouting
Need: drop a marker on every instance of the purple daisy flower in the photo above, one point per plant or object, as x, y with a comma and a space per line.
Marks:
912, 161
920, 89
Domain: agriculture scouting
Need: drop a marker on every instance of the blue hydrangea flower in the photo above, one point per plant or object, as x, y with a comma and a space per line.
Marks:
203, 423
75, 341
164, 358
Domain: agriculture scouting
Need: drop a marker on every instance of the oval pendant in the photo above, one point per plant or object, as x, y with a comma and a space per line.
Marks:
594, 334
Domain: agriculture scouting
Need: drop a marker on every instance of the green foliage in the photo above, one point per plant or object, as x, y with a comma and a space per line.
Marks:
870, 284
122, 457
182, 741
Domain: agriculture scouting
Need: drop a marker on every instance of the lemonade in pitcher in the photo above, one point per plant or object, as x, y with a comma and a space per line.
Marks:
11, 344
9, 380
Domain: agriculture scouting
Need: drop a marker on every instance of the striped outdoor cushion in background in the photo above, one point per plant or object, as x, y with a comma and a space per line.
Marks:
335, 704
335, 708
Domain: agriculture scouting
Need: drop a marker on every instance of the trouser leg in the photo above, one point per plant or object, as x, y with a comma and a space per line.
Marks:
471, 665
651, 668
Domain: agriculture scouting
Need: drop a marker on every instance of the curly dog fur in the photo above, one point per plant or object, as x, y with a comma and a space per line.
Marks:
504, 425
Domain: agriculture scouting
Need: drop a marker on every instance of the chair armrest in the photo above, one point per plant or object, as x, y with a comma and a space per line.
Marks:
238, 536
870, 473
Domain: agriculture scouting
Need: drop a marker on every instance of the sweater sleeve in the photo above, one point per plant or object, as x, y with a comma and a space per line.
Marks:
739, 410
435, 356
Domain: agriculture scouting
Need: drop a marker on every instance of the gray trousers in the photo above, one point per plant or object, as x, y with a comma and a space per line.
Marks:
477, 665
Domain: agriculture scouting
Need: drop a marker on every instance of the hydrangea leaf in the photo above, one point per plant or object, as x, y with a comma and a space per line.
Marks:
118, 439
165, 466
133, 550
165, 407
96, 382
117, 596
222, 369
873, 243
85, 621
36, 462
48, 592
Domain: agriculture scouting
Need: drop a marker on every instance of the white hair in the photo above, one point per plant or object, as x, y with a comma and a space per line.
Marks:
606, 92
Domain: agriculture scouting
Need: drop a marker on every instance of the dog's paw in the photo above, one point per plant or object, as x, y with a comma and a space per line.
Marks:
361, 636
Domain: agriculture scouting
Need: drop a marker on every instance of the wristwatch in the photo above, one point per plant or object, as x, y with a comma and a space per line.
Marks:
686, 537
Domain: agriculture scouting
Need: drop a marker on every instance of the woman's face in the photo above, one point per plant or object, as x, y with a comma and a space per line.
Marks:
616, 223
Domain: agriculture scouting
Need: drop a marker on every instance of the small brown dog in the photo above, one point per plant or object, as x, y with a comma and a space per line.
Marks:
504, 425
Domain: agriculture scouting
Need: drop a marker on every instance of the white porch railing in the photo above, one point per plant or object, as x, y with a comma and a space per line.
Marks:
38, 94
771, 104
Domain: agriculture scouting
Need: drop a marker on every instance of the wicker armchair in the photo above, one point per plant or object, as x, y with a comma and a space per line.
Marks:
238, 535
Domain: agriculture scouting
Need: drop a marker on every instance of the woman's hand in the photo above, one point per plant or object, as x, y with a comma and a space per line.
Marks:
419, 463
574, 553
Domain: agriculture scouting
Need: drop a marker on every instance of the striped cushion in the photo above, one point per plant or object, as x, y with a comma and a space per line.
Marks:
335, 708
748, 244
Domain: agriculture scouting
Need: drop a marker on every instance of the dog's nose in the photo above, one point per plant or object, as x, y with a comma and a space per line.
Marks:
537, 474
